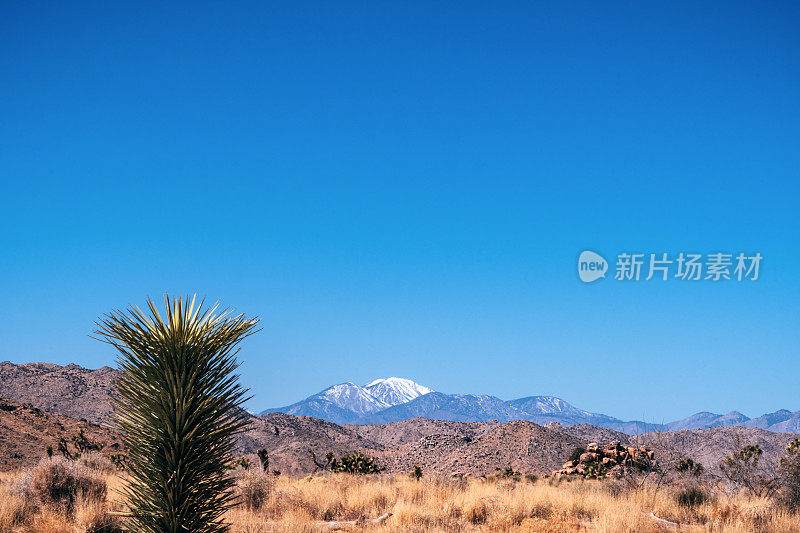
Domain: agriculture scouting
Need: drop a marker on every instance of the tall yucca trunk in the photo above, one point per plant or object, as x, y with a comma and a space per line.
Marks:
179, 408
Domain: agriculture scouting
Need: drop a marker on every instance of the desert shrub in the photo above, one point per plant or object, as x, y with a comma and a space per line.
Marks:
542, 510
97, 463
254, 487
614, 487
330, 512
576, 454
417, 472
19, 503
643, 464
595, 470
691, 497
477, 512
59, 483
355, 463
509, 473
94, 517
688, 466
458, 483
581, 511
14, 512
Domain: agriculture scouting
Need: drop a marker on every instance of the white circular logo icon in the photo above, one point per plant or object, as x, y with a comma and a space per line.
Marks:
591, 266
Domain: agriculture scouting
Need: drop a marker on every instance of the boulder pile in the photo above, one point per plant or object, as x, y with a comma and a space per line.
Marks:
607, 461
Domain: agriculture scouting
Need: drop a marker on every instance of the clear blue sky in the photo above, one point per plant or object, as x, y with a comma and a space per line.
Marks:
403, 189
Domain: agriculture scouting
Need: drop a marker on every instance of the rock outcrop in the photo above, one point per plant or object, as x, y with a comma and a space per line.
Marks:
610, 460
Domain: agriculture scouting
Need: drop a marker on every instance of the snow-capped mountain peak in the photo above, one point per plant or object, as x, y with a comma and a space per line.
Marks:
395, 391
549, 405
351, 396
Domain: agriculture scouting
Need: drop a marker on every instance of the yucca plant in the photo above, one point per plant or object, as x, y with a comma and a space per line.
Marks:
178, 409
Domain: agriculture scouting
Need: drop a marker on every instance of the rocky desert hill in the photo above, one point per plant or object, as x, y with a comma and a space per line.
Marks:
70, 393
25, 432
482, 447
288, 439
709, 446
412, 430
524, 446
68, 390
436, 446
590, 433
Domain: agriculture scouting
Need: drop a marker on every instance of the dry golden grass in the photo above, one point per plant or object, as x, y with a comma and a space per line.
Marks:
500, 505
285, 504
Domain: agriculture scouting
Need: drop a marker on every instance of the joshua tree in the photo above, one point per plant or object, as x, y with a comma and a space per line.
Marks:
743, 469
63, 448
84, 444
179, 408
263, 457
789, 469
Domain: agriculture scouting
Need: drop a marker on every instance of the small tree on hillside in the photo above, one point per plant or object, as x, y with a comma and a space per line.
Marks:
745, 469
179, 408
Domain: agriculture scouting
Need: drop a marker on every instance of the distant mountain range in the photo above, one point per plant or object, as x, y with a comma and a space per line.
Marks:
41, 403
83, 393
397, 399
348, 403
